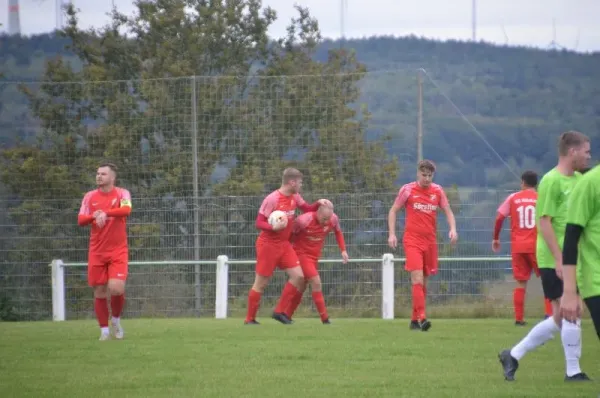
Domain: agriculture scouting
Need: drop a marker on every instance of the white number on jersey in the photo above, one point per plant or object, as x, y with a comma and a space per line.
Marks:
526, 216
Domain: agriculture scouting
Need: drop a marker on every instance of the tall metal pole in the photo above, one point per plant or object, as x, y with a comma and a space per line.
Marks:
342, 22
59, 11
420, 117
474, 20
195, 187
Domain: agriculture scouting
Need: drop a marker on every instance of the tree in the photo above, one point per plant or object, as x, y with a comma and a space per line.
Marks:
185, 83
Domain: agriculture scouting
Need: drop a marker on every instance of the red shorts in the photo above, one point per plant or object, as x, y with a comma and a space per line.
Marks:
523, 264
310, 266
421, 258
271, 255
102, 267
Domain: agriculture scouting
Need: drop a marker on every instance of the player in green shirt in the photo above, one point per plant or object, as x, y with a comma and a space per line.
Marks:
581, 251
551, 216
551, 209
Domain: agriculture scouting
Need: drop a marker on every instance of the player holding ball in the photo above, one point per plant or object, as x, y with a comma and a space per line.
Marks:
273, 247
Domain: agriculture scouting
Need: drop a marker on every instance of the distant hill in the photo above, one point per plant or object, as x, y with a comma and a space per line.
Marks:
518, 99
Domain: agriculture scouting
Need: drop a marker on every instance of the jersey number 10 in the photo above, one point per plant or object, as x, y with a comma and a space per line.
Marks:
526, 216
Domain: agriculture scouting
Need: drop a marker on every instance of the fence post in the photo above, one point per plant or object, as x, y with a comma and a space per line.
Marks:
387, 286
222, 287
58, 290
196, 189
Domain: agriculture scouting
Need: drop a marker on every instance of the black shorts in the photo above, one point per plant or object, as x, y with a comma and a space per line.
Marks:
593, 306
551, 284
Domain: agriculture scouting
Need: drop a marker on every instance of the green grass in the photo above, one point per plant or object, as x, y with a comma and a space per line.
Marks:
350, 358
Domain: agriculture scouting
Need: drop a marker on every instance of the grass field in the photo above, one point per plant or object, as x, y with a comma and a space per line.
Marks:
350, 358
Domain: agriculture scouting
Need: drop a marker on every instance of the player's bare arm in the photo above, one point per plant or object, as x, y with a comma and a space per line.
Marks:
341, 242
502, 213
453, 235
497, 228
392, 216
306, 208
550, 238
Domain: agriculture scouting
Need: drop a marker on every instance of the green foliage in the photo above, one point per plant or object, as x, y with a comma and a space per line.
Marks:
177, 73
292, 106
8, 312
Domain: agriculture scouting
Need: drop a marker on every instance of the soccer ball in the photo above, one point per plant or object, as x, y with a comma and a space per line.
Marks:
278, 217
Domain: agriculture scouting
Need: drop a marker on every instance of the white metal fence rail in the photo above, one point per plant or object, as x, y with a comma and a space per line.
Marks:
222, 264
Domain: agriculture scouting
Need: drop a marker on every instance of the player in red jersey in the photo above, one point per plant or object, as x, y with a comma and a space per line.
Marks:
421, 199
308, 238
520, 207
107, 209
273, 247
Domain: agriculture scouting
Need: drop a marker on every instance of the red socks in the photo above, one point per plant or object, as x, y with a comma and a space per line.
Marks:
101, 309
548, 307
319, 301
294, 305
287, 296
116, 305
519, 303
253, 305
418, 301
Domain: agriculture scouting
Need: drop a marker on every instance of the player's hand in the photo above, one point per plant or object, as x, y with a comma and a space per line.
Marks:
453, 235
345, 257
325, 202
100, 217
392, 241
495, 246
570, 306
559, 269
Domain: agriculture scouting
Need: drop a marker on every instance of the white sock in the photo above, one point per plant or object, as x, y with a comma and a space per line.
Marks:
571, 341
541, 333
105, 330
115, 320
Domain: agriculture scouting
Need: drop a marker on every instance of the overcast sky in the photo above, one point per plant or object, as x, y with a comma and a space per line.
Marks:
516, 22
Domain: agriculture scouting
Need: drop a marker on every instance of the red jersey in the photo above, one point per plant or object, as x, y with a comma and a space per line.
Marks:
288, 204
421, 211
308, 235
520, 207
117, 206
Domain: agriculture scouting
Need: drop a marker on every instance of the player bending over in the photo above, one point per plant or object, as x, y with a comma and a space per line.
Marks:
551, 214
581, 251
421, 199
107, 209
520, 207
308, 238
273, 247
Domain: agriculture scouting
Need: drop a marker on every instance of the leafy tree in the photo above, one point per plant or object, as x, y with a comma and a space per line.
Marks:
178, 77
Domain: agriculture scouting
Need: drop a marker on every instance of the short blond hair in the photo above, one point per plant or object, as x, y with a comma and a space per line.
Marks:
426, 165
570, 139
291, 174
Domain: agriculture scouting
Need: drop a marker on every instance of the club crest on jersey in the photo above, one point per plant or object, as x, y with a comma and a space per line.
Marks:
114, 202
432, 197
